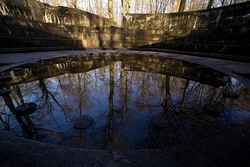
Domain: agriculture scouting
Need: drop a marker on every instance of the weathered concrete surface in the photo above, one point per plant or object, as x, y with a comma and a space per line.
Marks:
220, 30
16, 151
23, 34
229, 148
32, 25
34, 10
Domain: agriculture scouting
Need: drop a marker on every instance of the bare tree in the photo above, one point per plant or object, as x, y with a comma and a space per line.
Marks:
210, 4
181, 5
72, 3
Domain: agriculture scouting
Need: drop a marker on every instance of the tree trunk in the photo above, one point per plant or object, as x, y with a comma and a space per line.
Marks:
210, 4
125, 10
181, 5
110, 10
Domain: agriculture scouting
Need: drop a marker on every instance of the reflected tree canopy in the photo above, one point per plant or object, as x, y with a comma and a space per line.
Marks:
124, 95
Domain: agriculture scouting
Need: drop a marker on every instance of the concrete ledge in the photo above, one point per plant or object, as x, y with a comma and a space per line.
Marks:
229, 148
35, 49
232, 68
16, 151
239, 58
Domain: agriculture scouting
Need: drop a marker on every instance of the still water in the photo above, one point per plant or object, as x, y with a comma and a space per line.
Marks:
132, 102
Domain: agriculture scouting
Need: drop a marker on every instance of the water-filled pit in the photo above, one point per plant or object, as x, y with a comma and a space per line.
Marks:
122, 102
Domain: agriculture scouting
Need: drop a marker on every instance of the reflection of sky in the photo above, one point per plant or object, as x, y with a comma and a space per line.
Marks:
236, 114
89, 92
93, 89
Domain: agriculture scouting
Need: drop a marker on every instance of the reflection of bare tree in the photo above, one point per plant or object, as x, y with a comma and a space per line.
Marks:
75, 92
109, 130
204, 98
167, 101
17, 95
81, 96
4, 119
124, 91
82, 91
147, 87
184, 94
143, 88
65, 104
23, 120
47, 93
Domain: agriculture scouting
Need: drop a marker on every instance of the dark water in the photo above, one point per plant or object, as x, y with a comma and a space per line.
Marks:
135, 102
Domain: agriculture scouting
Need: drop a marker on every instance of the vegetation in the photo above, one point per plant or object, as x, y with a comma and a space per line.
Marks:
116, 9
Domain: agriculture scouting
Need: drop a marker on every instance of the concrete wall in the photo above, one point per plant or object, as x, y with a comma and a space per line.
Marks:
23, 33
228, 25
30, 24
37, 11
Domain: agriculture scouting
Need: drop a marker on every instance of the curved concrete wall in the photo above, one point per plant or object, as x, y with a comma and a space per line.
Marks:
37, 11
226, 25
29, 24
